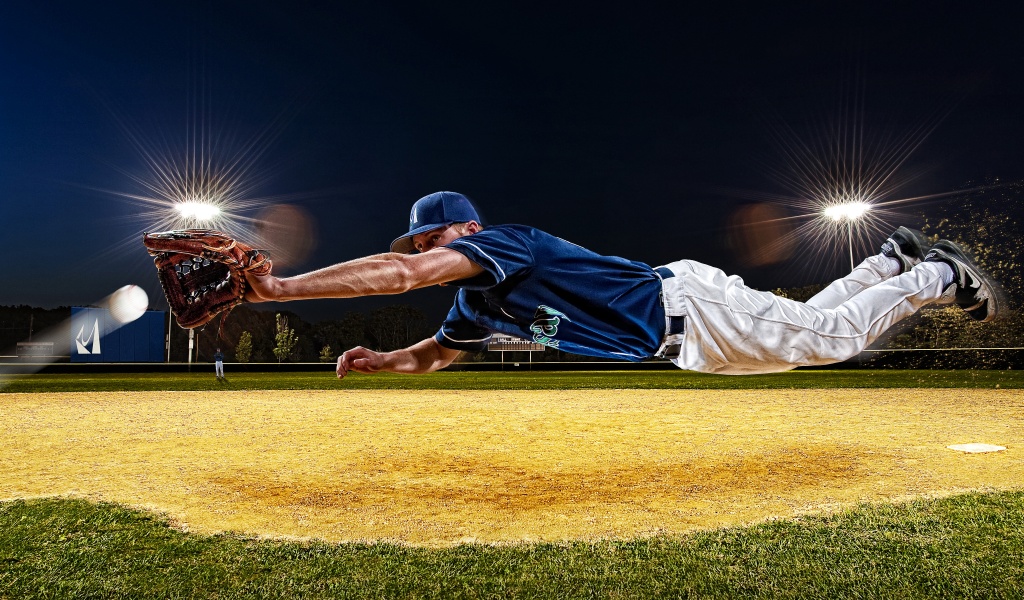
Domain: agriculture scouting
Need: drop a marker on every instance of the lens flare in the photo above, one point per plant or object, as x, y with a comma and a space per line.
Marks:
197, 175
843, 182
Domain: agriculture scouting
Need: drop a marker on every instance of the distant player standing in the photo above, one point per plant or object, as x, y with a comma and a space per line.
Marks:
218, 362
520, 281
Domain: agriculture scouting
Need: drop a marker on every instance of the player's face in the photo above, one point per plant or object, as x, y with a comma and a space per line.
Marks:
424, 242
442, 236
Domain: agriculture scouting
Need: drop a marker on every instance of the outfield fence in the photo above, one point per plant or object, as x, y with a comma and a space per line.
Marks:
920, 358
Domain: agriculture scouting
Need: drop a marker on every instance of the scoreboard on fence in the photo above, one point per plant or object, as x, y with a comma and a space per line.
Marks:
97, 337
502, 342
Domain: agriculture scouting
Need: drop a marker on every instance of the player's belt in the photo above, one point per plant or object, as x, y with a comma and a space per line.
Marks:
674, 326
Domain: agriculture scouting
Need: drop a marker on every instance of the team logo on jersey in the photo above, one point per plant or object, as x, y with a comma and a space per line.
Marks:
545, 325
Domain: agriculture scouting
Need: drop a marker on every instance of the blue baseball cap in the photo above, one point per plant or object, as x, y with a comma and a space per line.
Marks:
433, 211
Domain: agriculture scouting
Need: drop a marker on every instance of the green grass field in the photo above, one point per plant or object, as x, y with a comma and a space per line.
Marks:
964, 546
535, 380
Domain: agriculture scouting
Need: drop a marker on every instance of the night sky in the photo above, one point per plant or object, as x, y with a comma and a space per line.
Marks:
632, 131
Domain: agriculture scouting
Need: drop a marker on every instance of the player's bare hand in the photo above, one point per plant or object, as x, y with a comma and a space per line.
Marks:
360, 360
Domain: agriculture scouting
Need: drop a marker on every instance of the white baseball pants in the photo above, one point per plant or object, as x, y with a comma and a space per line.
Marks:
733, 329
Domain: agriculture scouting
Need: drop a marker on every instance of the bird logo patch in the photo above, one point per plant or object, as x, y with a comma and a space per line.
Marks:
545, 325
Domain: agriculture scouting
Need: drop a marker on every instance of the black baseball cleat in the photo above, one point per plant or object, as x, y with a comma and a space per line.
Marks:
906, 245
972, 289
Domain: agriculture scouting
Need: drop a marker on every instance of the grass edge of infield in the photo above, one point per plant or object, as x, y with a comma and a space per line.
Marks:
963, 545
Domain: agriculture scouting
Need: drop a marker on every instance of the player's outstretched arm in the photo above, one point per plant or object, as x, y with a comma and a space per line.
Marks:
423, 357
389, 273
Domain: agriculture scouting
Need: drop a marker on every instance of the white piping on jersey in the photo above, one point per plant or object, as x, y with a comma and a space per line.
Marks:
506, 314
629, 354
448, 337
568, 242
485, 256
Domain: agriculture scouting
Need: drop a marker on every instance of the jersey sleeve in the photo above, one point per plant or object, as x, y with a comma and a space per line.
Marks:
500, 251
460, 330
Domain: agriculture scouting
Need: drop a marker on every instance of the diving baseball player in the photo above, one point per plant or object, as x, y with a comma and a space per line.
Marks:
521, 281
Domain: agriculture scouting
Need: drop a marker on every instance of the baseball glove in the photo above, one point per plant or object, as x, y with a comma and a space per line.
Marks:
203, 271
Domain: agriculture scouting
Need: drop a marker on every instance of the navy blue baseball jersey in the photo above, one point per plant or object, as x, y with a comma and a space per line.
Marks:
542, 288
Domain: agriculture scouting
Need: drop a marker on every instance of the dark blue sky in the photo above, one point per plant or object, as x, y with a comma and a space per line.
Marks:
615, 128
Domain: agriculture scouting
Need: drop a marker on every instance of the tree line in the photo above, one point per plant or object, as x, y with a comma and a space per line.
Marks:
286, 337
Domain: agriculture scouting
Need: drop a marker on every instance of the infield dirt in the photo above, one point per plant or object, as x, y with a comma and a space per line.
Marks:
441, 467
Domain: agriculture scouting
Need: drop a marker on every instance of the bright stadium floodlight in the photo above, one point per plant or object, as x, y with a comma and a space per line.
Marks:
197, 211
849, 212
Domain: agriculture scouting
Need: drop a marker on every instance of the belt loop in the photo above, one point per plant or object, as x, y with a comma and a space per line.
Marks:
675, 315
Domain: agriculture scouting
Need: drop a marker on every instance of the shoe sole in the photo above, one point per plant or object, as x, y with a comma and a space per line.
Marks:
989, 310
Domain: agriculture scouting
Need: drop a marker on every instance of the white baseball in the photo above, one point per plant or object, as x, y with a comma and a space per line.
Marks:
128, 303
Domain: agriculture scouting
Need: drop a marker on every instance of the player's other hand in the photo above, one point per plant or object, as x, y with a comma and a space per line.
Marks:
360, 360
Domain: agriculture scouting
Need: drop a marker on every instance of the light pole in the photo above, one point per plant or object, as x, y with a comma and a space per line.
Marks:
168, 333
849, 212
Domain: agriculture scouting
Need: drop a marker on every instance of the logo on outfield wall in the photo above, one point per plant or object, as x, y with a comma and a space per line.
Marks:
83, 342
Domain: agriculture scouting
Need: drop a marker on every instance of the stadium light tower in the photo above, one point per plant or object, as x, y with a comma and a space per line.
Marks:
849, 212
